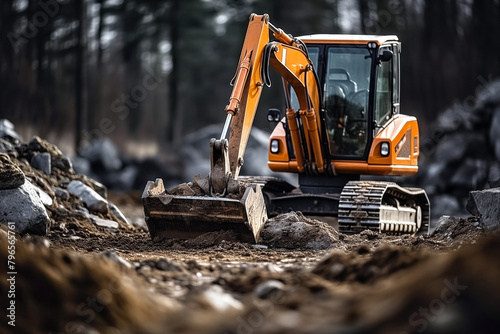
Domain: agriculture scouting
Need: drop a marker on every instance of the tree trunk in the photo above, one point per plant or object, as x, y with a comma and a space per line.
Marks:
174, 122
81, 77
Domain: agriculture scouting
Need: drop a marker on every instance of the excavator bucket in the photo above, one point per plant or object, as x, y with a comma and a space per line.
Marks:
171, 216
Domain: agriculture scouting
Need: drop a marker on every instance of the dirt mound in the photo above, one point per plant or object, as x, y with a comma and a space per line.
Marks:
365, 265
457, 230
50, 176
295, 231
58, 291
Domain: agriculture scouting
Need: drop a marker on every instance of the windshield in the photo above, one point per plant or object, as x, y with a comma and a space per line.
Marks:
347, 81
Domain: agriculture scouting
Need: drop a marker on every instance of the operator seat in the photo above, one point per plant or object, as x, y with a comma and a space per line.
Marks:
342, 78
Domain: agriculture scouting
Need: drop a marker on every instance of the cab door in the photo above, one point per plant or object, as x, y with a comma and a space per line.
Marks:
387, 86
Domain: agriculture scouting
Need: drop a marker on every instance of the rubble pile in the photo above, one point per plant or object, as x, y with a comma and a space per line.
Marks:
462, 152
40, 191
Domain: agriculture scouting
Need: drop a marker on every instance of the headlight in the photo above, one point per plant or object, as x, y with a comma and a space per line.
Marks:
275, 146
384, 149
372, 45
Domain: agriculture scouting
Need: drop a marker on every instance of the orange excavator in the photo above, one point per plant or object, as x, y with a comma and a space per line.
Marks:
342, 121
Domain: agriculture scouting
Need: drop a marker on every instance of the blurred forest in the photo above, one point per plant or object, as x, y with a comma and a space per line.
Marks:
146, 73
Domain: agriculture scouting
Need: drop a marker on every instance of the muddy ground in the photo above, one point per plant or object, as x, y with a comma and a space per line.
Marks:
81, 278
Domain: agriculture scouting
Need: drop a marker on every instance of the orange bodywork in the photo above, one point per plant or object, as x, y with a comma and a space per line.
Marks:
401, 134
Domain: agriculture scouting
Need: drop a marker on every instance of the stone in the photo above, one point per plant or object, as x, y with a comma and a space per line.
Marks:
485, 204
471, 174
97, 186
457, 146
215, 298
268, 288
106, 223
494, 175
59, 160
494, 184
93, 201
24, 207
444, 204
489, 95
44, 197
494, 133
8, 148
7, 130
118, 214
103, 155
61, 193
81, 165
123, 179
140, 224
11, 176
432, 177
42, 161
166, 265
116, 258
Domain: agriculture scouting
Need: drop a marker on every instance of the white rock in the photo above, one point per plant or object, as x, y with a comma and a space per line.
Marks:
98, 221
44, 197
114, 209
93, 201
215, 297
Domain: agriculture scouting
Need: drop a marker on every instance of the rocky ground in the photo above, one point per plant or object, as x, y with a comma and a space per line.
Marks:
82, 261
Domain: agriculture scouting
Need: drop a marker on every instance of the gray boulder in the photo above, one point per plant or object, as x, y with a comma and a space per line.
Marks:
23, 206
494, 133
444, 204
103, 154
11, 176
485, 205
7, 130
42, 161
93, 201
471, 174
81, 165
8, 148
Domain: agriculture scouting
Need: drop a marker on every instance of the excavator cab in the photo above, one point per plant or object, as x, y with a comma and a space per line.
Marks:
363, 133
348, 73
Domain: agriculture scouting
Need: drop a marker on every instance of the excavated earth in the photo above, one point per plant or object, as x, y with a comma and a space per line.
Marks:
87, 279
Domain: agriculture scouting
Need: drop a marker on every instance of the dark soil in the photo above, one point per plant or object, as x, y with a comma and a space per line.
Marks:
84, 279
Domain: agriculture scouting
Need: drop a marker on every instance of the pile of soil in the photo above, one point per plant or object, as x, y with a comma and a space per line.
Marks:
67, 213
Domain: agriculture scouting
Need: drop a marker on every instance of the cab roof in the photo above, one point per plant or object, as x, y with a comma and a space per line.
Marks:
347, 38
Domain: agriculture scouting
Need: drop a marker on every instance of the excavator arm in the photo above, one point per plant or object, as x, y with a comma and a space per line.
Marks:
288, 56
